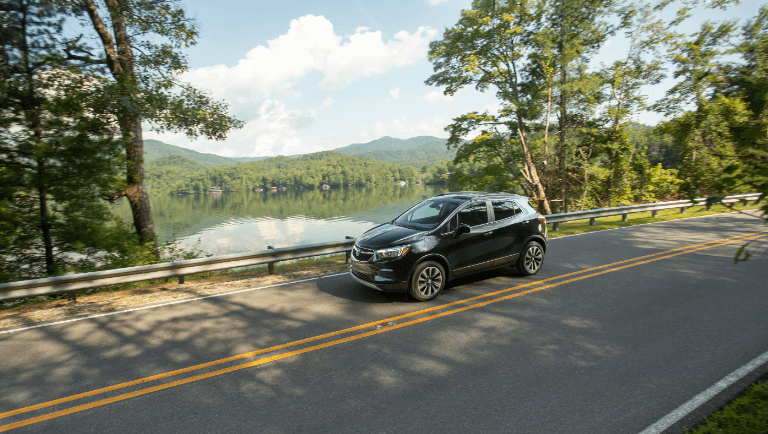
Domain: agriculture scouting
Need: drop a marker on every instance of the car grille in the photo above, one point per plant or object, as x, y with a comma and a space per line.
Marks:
363, 276
361, 254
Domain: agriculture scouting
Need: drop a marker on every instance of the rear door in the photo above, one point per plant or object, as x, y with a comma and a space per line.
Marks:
509, 219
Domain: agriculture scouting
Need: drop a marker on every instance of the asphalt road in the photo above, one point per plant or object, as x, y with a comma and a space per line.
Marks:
618, 329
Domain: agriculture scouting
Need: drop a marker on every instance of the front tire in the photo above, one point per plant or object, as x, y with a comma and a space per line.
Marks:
531, 259
427, 281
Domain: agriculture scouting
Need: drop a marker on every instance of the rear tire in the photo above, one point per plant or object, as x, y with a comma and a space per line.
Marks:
427, 281
531, 259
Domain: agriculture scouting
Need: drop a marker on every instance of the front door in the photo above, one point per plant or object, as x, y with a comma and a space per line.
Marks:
473, 251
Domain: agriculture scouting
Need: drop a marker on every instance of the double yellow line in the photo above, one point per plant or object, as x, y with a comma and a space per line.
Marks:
390, 322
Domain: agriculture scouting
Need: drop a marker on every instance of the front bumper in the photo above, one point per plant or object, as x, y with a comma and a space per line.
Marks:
389, 276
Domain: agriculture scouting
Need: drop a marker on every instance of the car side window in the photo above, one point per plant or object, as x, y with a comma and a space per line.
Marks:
476, 213
503, 209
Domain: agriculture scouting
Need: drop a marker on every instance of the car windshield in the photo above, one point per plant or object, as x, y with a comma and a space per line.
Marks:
428, 214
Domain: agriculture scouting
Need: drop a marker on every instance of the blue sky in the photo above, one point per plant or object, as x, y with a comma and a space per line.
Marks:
308, 76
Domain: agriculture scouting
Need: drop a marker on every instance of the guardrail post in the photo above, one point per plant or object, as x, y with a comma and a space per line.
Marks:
349, 253
591, 221
72, 296
624, 217
654, 213
709, 207
555, 226
181, 279
270, 265
682, 209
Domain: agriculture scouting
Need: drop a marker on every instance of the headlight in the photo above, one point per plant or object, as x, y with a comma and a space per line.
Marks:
394, 252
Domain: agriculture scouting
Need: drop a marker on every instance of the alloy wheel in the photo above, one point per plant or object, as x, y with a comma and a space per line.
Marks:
429, 282
533, 258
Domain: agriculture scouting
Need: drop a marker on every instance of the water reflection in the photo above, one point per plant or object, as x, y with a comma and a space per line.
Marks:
246, 221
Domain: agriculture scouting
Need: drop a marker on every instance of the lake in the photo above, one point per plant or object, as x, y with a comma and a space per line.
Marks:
235, 222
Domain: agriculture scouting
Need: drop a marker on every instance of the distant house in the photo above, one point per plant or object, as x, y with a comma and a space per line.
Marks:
214, 189
325, 187
401, 183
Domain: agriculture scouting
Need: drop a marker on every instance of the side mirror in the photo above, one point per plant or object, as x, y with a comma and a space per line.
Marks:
462, 229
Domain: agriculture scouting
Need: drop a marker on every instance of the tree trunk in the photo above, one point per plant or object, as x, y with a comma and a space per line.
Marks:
45, 220
136, 192
121, 65
563, 124
612, 169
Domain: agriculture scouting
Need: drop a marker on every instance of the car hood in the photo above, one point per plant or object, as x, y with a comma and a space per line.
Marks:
386, 235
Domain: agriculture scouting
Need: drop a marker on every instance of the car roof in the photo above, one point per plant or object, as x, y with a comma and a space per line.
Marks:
468, 195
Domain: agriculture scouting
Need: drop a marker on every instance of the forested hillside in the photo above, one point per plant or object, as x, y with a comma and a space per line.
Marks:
415, 152
183, 176
155, 149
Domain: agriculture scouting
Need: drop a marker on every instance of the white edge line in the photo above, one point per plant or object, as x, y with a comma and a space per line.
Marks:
695, 402
307, 280
168, 304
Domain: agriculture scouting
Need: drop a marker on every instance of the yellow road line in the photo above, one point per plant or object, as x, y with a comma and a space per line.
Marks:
632, 262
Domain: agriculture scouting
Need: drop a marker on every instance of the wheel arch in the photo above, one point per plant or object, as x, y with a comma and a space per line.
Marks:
539, 239
440, 259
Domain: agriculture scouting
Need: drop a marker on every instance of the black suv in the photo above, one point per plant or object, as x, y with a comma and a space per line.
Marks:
449, 235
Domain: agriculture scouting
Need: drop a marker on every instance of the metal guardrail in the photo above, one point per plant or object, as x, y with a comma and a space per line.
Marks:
75, 282
72, 283
623, 211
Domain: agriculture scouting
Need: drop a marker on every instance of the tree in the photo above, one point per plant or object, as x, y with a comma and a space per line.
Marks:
486, 48
703, 133
140, 45
573, 31
57, 155
623, 79
748, 82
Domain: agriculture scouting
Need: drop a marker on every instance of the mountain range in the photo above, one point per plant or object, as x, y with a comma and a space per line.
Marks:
414, 152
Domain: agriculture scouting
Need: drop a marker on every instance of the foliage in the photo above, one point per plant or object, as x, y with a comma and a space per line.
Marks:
486, 49
57, 155
535, 56
139, 66
748, 82
180, 175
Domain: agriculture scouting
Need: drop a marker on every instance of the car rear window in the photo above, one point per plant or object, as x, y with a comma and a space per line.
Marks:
476, 213
503, 209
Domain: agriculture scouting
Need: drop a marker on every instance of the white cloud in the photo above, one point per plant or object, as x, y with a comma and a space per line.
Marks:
437, 2
310, 45
437, 96
395, 93
362, 29
328, 102
649, 118
494, 108
274, 131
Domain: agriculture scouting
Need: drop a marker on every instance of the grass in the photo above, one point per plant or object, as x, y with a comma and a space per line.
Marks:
745, 415
602, 223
